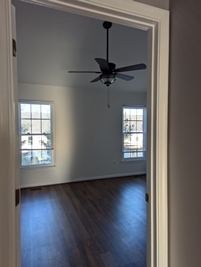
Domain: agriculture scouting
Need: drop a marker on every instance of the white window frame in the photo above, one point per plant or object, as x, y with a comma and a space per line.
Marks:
51, 104
131, 159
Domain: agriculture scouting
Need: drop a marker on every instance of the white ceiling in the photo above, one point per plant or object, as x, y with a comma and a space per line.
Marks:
51, 42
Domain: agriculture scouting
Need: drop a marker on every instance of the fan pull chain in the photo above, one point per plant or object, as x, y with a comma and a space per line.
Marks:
108, 97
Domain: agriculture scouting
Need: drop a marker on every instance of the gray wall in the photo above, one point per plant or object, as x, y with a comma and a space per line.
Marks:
52, 42
87, 134
185, 134
164, 4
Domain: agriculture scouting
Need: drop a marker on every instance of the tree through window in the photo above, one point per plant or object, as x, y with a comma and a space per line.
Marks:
36, 133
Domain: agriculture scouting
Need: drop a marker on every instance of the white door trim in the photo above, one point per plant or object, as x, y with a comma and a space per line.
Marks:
129, 13
9, 236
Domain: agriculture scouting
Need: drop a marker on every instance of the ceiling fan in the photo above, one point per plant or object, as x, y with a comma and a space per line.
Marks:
108, 72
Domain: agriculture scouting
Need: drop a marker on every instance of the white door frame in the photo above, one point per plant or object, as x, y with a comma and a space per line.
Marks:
128, 13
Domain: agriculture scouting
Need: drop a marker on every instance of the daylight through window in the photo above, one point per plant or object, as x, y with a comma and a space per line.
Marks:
134, 129
36, 144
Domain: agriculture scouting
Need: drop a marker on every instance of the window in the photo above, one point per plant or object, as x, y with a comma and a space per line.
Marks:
36, 133
134, 129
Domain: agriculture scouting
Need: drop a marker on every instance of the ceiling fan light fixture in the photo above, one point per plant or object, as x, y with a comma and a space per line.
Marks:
108, 79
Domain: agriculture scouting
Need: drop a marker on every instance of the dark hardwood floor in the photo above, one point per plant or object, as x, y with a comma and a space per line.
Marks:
85, 224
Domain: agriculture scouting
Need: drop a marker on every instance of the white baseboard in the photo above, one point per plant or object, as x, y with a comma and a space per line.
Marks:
82, 179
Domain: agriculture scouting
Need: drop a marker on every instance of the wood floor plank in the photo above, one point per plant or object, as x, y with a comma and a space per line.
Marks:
97, 223
109, 260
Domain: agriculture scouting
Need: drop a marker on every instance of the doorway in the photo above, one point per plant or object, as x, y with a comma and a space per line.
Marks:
158, 134
92, 129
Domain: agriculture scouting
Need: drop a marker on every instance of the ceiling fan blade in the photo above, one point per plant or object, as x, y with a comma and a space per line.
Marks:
124, 77
103, 64
95, 80
72, 71
112, 66
132, 67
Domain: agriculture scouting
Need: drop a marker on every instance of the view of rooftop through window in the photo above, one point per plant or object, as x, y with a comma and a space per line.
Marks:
133, 133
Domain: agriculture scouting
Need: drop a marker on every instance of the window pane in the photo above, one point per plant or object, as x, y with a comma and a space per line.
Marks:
35, 109
139, 112
137, 141
129, 126
46, 142
139, 125
46, 157
133, 126
127, 155
25, 110
134, 154
25, 144
25, 126
36, 155
125, 126
133, 113
36, 144
126, 113
127, 142
46, 126
140, 154
26, 158
36, 126
45, 109
30, 158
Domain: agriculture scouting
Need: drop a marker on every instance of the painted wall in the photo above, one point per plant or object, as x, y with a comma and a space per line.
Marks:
185, 134
51, 42
87, 134
164, 4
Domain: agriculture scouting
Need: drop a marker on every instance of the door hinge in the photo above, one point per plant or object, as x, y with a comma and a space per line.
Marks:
147, 197
17, 197
14, 48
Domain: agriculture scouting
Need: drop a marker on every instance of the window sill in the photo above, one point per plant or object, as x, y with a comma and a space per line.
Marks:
130, 161
36, 167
